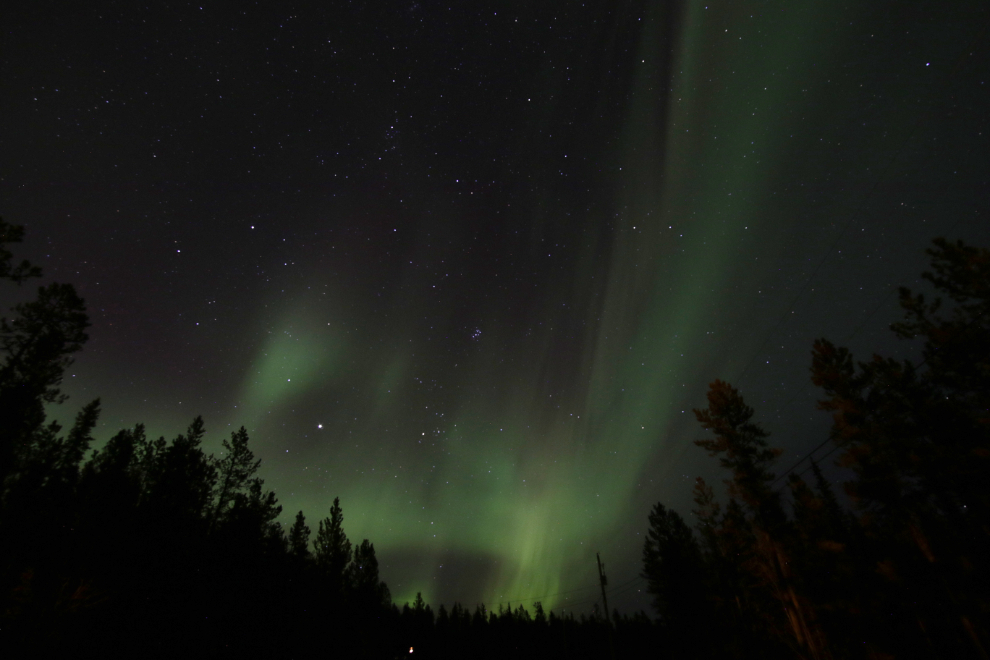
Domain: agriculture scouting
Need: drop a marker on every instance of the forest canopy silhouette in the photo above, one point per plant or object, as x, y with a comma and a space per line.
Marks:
782, 569
151, 547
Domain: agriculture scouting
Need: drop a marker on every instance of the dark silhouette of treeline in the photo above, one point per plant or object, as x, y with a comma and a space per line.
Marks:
152, 548
508, 633
782, 569
148, 547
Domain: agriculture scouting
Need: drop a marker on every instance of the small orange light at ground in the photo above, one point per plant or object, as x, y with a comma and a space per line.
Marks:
410, 649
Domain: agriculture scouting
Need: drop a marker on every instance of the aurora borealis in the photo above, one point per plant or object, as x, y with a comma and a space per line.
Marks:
469, 266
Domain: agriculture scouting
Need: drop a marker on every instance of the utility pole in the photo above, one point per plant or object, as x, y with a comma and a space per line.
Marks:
608, 617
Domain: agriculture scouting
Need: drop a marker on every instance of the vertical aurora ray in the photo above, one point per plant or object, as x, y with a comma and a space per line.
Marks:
684, 204
529, 486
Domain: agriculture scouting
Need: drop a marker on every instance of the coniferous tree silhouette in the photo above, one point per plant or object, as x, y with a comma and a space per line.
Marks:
235, 473
180, 479
909, 574
366, 588
148, 547
332, 550
299, 537
17, 274
672, 566
742, 449
917, 439
37, 346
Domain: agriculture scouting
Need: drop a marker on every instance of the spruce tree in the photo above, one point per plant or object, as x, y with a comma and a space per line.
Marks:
741, 446
8, 271
672, 567
299, 537
37, 346
332, 550
916, 436
235, 473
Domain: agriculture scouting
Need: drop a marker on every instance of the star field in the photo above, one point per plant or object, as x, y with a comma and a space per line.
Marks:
470, 266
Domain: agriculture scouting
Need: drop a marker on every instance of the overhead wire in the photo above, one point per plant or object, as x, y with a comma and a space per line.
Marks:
827, 440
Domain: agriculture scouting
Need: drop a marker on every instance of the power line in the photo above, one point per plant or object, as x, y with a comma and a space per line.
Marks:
800, 460
827, 454
853, 334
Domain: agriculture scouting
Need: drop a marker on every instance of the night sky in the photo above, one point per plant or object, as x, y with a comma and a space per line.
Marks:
469, 266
